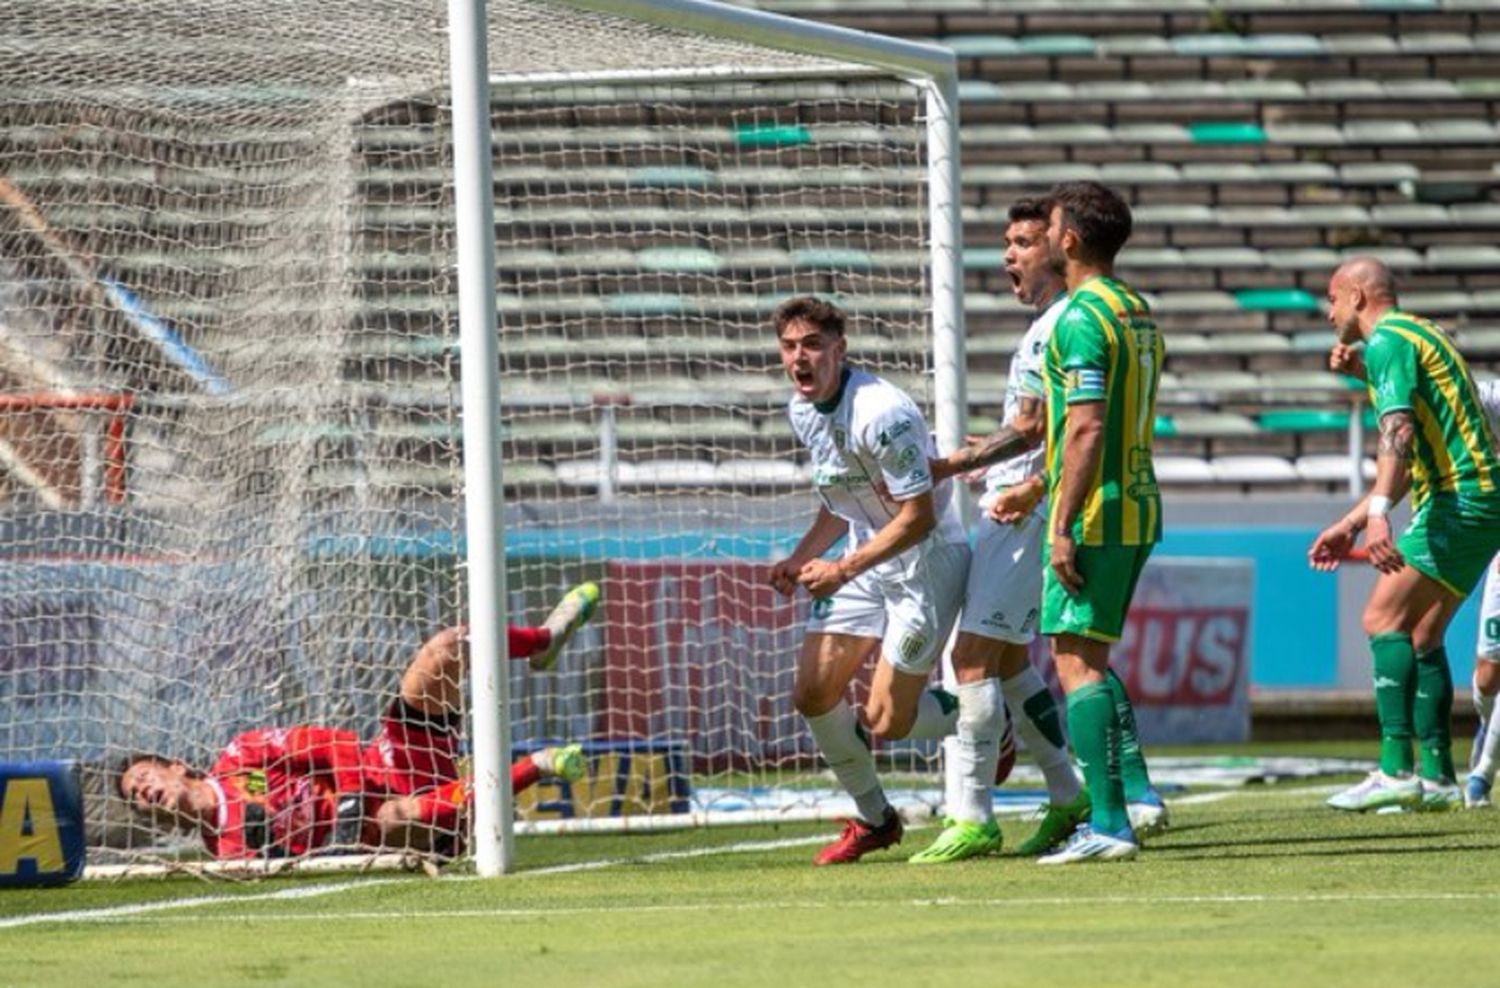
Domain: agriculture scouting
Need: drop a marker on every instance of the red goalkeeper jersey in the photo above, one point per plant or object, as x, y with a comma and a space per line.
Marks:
279, 788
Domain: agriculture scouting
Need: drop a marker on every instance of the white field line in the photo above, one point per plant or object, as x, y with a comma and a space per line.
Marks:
121, 916
108, 913
125, 913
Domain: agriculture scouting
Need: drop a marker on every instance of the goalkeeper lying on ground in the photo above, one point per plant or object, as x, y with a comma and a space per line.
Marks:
282, 792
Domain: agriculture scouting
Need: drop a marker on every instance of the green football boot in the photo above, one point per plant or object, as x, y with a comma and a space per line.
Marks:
1057, 825
961, 840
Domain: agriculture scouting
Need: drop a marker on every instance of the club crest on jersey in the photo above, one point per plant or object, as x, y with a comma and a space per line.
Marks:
822, 607
906, 459
911, 646
840, 439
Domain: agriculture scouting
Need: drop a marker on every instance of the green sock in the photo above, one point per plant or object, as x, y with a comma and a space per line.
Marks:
1432, 715
1395, 692
1133, 773
1094, 730
1041, 709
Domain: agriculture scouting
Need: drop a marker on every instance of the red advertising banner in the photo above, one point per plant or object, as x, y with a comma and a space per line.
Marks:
705, 652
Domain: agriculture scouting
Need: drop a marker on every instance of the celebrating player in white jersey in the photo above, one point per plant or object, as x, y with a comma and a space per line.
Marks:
990, 659
896, 590
1486, 683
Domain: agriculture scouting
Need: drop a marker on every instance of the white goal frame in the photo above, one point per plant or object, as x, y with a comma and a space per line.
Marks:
931, 68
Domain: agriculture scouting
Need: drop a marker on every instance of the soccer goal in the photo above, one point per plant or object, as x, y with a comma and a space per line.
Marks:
254, 448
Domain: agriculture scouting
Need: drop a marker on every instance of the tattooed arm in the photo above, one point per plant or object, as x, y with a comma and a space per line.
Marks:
1392, 481
1023, 432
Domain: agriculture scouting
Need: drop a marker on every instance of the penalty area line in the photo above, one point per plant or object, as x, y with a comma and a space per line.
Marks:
116, 913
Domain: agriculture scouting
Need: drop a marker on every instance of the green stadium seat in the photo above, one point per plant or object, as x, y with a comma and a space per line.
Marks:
1057, 45
1297, 172
1226, 132
1115, 91
1435, 43
1382, 132
981, 45
1173, 214
983, 258
1275, 300
1304, 420
1341, 90
833, 257
1400, 258
1420, 89
1150, 133
1210, 45
1050, 172
771, 135
1483, 88
1266, 90
1164, 427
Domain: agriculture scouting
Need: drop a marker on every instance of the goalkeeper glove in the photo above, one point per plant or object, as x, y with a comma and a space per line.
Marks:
349, 820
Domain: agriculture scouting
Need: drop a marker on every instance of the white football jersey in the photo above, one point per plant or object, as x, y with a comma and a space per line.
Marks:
869, 452
1025, 380
1489, 398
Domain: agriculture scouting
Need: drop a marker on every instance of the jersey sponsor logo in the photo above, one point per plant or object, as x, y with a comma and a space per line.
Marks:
822, 607
891, 433
834, 477
253, 783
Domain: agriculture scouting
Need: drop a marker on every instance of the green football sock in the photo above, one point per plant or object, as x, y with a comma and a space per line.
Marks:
1432, 714
1395, 692
1094, 731
1133, 773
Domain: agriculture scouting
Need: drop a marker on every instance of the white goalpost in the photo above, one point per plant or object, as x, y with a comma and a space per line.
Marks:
325, 333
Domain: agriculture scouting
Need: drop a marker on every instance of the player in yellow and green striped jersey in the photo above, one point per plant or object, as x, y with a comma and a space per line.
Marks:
1435, 441
1100, 373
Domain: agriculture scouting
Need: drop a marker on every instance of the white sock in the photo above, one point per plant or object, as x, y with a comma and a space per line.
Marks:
934, 719
975, 750
1062, 782
850, 760
1489, 747
1483, 705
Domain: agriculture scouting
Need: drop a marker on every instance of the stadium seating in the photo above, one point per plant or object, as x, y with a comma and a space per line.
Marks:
1259, 141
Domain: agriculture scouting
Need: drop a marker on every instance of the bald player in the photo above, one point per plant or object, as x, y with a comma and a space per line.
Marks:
1435, 442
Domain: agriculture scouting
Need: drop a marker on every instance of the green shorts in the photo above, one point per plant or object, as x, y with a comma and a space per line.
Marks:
1452, 538
1110, 573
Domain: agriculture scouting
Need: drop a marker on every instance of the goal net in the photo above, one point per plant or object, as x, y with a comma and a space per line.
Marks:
231, 436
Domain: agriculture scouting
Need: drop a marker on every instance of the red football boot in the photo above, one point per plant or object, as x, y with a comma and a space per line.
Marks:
859, 839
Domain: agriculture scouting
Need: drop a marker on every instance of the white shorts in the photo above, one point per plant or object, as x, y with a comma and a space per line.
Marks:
911, 615
1005, 580
1489, 614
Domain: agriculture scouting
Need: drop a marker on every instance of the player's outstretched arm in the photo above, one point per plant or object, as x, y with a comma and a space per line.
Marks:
1014, 438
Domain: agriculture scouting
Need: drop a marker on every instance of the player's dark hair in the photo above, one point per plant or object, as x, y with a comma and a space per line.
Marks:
828, 317
1026, 209
117, 773
1097, 214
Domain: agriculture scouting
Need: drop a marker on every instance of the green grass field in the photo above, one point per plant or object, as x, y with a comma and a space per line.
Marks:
1262, 886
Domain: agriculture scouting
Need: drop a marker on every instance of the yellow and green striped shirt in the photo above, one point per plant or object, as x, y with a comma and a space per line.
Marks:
1411, 365
1106, 347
